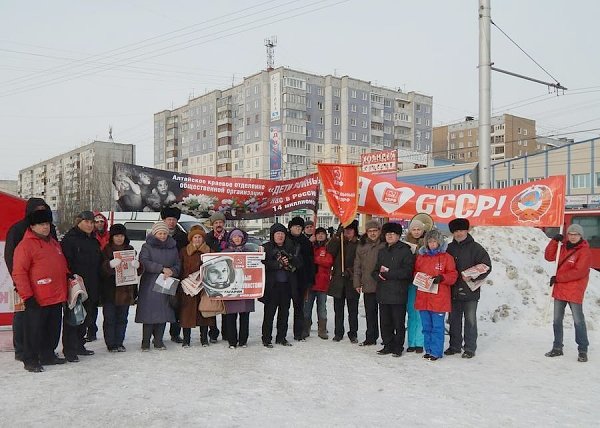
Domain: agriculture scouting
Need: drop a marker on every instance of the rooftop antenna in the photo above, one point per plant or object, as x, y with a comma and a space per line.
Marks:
270, 43
110, 138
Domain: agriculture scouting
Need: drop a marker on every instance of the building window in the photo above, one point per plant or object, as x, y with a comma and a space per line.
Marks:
336, 120
501, 184
320, 134
452, 135
320, 105
580, 181
336, 107
353, 93
353, 108
353, 136
365, 138
365, 110
320, 91
321, 120
352, 121
418, 120
364, 96
418, 107
337, 92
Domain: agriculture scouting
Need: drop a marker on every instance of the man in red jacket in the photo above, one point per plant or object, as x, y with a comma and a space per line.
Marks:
570, 282
40, 275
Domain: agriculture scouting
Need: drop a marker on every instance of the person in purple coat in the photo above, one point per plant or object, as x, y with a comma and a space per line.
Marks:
237, 242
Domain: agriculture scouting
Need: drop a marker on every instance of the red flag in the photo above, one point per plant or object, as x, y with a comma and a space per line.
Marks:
340, 182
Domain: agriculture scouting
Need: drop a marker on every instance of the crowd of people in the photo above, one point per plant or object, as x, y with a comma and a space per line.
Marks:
411, 287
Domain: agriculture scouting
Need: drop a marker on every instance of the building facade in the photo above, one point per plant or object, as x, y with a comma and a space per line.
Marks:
278, 124
511, 136
80, 179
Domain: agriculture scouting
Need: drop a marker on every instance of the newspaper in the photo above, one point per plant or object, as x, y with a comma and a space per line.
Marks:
125, 273
471, 274
165, 285
425, 283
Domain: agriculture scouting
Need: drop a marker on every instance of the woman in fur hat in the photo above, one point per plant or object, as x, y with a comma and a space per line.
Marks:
433, 260
116, 300
189, 315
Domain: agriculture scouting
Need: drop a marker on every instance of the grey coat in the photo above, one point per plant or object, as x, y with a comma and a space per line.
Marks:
153, 307
364, 264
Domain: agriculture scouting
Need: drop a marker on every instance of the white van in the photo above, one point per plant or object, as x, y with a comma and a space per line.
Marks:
139, 224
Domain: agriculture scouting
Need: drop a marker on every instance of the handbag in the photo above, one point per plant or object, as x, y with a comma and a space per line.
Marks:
210, 307
76, 315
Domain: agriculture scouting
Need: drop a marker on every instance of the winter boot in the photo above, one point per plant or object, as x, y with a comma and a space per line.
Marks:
322, 323
306, 328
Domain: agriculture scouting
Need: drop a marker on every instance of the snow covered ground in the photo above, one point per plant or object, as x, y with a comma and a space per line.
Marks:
322, 383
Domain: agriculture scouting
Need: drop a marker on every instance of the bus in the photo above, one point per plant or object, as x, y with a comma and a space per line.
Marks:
589, 220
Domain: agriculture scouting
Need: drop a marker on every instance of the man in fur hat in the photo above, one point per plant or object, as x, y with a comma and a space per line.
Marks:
467, 253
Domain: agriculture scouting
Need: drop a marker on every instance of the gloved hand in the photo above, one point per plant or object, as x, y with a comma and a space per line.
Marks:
437, 279
339, 230
114, 262
31, 303
136, 263
552, 280
558, 237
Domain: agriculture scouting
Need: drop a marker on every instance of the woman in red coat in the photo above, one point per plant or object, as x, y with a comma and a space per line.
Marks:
324, 262
433, 260
570, 282
40, 275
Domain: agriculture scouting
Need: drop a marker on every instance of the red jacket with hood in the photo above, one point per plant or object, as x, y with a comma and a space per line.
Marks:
40, 270
324, 262
573, 271
433, 265
103, 237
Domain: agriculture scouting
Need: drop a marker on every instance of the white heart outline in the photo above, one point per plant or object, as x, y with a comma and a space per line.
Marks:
406, 193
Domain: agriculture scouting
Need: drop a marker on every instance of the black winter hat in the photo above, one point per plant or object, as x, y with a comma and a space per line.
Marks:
167, 212
320, 230
296, 221
458, 224
392, 228
118, 229
353, 225
39, 217
277, 227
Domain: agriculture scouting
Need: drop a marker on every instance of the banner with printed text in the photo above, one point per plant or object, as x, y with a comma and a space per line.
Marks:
538, 203
138, 188
341, 189
233, 276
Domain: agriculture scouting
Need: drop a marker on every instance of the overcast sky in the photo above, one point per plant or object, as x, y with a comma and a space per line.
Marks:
69, 69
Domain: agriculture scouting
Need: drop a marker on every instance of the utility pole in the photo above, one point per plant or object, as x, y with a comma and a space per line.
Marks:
485, 71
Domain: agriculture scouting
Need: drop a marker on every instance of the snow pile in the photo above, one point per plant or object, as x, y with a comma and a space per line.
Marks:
517, 289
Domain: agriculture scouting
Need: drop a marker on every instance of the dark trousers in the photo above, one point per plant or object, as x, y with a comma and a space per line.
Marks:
91, 308
351, 300
150, 330
232, 331
213, 330
278, 302
392, 320
174, 328
18, 333
298, 303
372, 314
41, 333
115, 324
73, 337
469, 311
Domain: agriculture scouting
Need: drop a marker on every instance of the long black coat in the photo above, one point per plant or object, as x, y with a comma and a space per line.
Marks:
306, 275
399, 259
84, 257
272, 267
467, 253
339, 281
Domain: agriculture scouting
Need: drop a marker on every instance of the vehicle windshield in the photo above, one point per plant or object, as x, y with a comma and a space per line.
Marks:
187, 225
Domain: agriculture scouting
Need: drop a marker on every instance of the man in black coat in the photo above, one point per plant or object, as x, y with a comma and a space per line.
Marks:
281, 267
467, 253
13, 237
393, 273
171, 215
82, 251
306, 277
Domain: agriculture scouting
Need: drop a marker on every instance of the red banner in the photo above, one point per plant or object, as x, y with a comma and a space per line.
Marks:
138, 188
341, 189
539, 203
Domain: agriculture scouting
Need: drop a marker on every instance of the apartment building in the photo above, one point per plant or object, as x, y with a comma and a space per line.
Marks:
511, 136
278, 124
77, 180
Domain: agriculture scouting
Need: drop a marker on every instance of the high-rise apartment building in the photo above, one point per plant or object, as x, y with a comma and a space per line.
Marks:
278, 124
511, 136
80, 179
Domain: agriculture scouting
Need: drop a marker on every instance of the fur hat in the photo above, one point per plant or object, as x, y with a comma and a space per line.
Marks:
320, 230
392, 228
86, 215
196, 230
159, 226
217, 216
372, 224
167, 212
416, 223
39, 217
277, 227
576, 228
353, 225
118, 229
436, 235
296, 221
458, 224
309, 223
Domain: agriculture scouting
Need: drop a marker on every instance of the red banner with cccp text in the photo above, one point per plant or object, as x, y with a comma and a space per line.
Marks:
341, 189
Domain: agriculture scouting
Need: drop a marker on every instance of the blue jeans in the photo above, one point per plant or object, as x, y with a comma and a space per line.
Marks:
433, 332
469, 311
581, 337
115, 324
415, 329
321, 298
